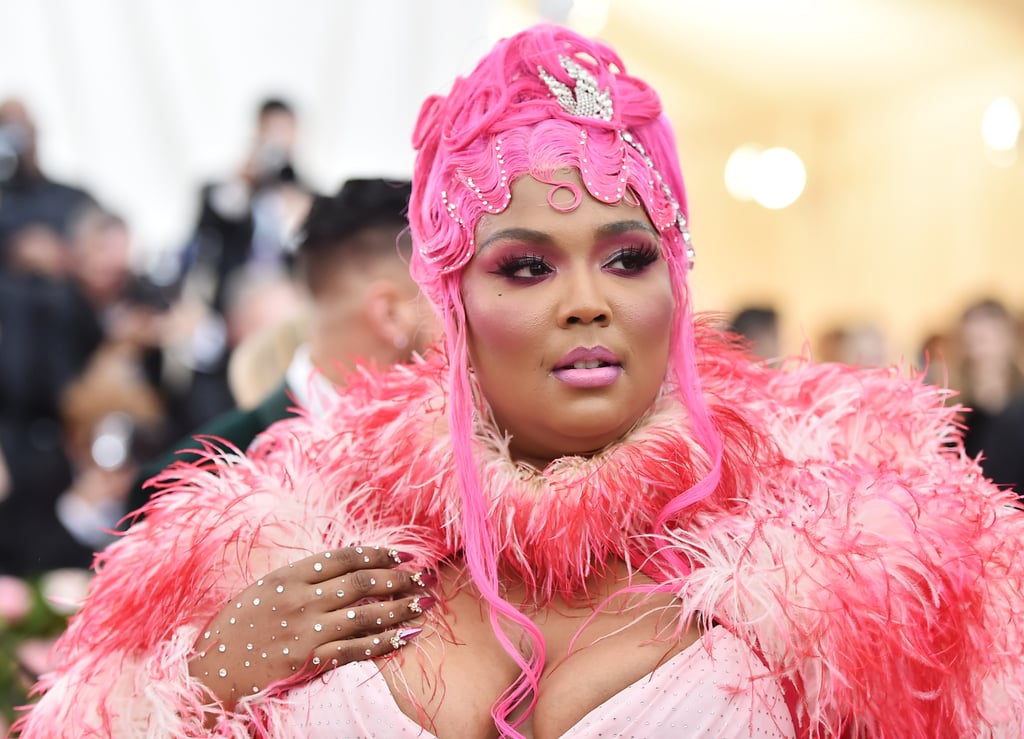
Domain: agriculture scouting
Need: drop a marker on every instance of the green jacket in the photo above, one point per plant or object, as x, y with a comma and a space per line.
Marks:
236, 428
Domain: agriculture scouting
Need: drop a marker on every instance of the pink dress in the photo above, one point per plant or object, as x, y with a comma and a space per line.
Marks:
697, 693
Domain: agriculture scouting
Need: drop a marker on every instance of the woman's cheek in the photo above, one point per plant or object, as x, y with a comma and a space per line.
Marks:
503, 326
651, 318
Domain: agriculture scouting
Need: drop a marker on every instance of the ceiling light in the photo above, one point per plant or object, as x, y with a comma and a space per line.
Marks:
779, 178
739, 172
1000, 126
774, 178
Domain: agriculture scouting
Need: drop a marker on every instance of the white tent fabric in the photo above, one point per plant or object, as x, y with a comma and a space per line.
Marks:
139, 101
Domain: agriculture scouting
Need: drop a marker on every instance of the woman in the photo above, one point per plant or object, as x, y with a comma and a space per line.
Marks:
624, 526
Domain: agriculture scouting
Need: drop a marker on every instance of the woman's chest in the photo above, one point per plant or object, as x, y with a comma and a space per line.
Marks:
459, 669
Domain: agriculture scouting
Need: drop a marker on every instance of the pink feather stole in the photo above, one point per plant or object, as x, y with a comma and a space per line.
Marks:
851, 544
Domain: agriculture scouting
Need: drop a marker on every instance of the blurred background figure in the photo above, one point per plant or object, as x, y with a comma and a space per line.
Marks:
123, 307
934, 358
759, 326
41, 353
353, 252
856, 344
991, 385
47, 336
67, 496
113, 419
199, 349
60, 331
100, 262
28, 198
250, 217
235, 270
35, 249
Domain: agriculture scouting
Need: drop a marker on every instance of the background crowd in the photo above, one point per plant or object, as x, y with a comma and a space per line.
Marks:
101, 365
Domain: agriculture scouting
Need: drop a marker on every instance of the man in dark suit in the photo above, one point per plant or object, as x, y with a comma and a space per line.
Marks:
353, 256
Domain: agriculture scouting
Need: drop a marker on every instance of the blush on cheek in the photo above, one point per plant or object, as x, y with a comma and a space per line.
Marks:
658, 317
651, 318
497, 328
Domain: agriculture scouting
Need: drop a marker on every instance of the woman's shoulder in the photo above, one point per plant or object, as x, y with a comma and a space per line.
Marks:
817, 410
372, 396
874, 541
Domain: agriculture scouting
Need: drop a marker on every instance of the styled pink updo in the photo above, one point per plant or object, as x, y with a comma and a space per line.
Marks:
502, 121
543, 100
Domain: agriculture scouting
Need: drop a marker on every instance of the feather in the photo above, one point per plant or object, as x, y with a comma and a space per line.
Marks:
851, 543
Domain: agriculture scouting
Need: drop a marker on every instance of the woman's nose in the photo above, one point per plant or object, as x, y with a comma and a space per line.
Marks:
584, 302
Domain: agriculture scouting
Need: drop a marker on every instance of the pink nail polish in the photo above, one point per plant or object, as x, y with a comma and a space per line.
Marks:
425, 579
419, 605
400, 557
402, 637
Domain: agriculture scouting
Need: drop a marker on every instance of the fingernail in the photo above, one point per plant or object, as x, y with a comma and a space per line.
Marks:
403, 636
399, 557
419, 605
424, 579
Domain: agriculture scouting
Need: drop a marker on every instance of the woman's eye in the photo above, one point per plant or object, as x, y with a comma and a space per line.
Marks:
633, 259
524, 268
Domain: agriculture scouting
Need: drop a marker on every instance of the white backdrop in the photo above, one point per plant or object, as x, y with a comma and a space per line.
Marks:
139, 101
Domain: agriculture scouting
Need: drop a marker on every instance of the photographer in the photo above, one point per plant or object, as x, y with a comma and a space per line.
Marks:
249, 217
28, 198
244, 228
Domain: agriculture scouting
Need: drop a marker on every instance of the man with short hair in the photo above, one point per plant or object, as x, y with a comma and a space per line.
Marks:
353, 254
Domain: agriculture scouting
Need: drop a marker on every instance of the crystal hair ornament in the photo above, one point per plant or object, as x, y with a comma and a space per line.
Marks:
681, 224
587, 100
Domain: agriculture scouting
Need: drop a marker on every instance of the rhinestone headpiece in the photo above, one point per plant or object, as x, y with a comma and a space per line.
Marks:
586, 100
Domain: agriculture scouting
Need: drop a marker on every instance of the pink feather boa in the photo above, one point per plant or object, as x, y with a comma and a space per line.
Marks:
851, 543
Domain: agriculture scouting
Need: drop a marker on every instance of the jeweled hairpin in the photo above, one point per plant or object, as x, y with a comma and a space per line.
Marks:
586, 100
681, 224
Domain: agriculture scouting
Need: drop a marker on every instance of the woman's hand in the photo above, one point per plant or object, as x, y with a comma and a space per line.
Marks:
323, 611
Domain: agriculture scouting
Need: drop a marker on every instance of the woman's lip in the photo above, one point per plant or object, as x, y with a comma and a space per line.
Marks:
587, 354
589, 378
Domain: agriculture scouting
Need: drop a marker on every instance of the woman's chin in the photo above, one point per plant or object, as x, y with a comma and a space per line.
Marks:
570, 445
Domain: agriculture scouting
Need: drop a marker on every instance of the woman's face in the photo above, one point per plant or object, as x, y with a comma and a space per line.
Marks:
569, 317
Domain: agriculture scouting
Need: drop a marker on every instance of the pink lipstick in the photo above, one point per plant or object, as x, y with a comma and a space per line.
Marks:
591, 367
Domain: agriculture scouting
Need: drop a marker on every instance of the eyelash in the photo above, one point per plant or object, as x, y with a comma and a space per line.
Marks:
642, 256
509, 265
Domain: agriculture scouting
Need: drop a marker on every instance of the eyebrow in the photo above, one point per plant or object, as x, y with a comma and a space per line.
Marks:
620, 227
539, 237
515, 234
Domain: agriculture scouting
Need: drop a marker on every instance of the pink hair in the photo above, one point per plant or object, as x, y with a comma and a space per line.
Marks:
497, 124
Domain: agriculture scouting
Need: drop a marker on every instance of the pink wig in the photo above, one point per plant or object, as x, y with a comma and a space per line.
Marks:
497, 124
